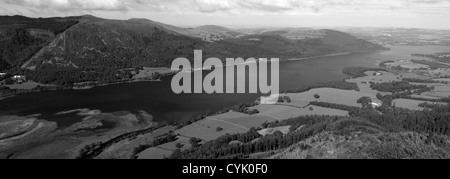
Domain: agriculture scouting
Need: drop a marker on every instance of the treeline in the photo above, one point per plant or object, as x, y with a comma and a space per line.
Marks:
399, 86
93, 150
432, 65
242, 108
159, 141
7, 92
417, 80
357, 72
332, 84
55, 25
52, 74
435, 56
350, 109
283, 99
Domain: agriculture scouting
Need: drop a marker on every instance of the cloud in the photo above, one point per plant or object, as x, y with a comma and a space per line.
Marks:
71, 5
236, 6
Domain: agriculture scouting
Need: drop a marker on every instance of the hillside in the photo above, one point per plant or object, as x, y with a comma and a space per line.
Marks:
359, 145
213, 33
69, 50
315, 137
22, 37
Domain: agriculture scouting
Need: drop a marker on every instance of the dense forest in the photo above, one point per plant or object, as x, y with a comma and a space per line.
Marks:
435, 120
396, 87
23, 37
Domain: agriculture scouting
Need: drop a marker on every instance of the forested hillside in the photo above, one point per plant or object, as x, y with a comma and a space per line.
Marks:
69, 50
22, 37
395, 133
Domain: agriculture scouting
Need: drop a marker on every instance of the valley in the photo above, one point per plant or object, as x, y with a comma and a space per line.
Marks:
91, 88
318, 100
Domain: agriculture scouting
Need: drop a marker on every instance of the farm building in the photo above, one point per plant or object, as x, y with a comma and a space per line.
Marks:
19, 78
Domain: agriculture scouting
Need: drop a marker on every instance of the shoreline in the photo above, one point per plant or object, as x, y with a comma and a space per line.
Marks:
115, 83
329, 55
88, 87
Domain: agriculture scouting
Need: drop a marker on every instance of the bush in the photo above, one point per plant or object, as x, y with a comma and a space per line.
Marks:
194, 142
287, 99
179, 145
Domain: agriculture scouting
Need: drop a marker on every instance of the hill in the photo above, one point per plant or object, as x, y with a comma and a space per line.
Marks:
69, 50
215, 33
22, 37
405, 145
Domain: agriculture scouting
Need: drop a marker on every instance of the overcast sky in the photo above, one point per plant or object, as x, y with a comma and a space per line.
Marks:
249, 13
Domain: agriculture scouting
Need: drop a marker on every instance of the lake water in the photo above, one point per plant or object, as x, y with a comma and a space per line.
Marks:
158, 99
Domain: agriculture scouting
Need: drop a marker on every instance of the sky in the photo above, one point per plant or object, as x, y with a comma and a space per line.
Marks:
433, 14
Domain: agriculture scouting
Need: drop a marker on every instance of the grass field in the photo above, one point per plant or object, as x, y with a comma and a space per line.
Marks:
408, 104
207, 129
330, 95
269, 131
440, 91
154, 153
27, 85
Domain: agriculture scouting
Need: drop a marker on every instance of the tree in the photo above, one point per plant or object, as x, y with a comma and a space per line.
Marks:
179, 145
287, 99
278, 134
280, 100
316, 96
9, 81
365, 102
194, 142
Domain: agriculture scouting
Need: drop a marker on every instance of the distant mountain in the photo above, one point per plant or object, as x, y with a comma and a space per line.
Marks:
87, 48
213, 33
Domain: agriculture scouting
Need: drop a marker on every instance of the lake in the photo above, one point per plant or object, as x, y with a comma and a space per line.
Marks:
158, 99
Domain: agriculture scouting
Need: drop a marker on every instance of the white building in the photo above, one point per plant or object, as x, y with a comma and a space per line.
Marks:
19, 78
376, 104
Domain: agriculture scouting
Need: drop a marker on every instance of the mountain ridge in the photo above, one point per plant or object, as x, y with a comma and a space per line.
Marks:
97, 49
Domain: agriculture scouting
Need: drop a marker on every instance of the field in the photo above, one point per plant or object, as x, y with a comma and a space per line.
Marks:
26, 85
408, 104
164, 150
207, 129
155, 153
440, 91
364, 82
330, 95
282, 112
269, 131
446, 80
407, 64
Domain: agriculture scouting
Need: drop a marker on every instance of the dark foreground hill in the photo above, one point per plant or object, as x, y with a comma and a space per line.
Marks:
325, 138
78, 49
360, 145
368, 134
